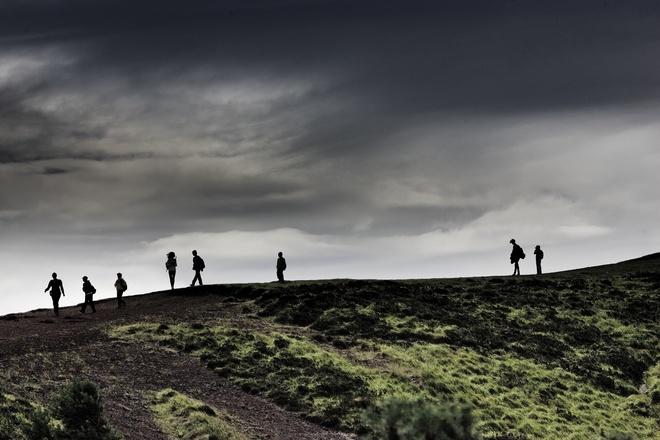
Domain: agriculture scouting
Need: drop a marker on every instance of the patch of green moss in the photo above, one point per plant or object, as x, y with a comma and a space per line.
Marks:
180, 416
13, 413
295, 373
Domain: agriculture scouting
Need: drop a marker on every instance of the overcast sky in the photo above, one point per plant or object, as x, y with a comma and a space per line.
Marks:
364, 139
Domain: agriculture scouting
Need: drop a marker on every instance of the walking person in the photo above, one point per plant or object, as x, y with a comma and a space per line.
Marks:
170, 266
516, 254
121, 287
198, 267
539, 256
89, 295
56, 288
281, 267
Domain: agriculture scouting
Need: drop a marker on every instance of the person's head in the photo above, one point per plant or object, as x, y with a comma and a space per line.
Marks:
538, 246
170, 255
119, 275
512, 241
84, 278
195, 253
54, 275
279, 254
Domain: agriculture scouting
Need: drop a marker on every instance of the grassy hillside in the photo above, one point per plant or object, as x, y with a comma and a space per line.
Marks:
572, 355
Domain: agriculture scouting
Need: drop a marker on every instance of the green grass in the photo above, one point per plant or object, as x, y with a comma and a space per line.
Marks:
182, 417
566, 356
13, 410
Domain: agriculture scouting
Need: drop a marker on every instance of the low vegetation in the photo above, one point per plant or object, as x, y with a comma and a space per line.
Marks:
182, 417
76, 413
559, 356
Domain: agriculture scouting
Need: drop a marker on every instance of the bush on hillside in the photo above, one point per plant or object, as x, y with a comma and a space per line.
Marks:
79, 410
38, 426
404, 418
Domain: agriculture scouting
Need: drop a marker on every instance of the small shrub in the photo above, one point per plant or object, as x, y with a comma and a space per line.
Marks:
38, 426
79, 410
404, 418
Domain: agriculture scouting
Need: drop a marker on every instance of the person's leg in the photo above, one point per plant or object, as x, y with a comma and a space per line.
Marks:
172, 276
196, 278
280, 275
56, 305
91, 303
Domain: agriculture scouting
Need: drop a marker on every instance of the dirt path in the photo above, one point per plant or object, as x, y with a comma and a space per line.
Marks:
42, 352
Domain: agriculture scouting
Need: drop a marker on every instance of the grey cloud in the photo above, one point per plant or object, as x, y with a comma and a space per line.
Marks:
52, 171
426, 56
369, 71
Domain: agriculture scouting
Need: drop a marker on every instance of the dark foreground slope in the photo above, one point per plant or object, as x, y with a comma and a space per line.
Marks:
567, 355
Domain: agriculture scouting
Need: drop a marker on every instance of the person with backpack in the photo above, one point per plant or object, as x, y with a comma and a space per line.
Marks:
56, 288
539, 256
121, 287
170, 266
198, 267
516, 254
89, 295
280, 266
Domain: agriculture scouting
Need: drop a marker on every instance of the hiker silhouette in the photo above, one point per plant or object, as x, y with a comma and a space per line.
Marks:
56, 288
539, 256
89, 295
170, 266
516, 254
281, 267
198, 267
121, 286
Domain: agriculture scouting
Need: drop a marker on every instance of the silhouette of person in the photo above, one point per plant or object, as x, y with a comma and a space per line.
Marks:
539, 256
121, 287
170, 266
89, 295
281, 267
516, 254
56, 288
198, 266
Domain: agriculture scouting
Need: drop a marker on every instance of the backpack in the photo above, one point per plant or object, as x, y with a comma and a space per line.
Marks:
202, 266
170, 264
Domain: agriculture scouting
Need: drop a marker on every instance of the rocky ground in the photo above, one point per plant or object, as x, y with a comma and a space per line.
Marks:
40, 353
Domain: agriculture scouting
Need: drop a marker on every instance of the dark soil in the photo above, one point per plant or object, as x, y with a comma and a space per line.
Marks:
40, 353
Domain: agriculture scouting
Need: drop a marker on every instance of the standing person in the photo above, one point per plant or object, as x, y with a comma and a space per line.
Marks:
121, 287
281, 267
198, 266
89, 295
56, 291
539, 256
170, 266
516, 254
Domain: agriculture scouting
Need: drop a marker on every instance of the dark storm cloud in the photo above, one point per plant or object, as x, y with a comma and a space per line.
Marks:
317, 90
421, 56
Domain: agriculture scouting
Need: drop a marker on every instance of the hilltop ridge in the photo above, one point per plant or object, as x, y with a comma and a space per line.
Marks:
565, 354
